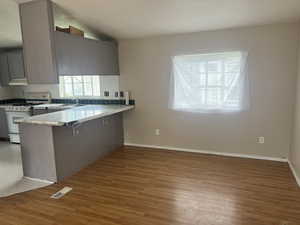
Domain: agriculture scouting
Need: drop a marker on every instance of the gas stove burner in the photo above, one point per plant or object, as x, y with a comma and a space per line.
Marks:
21, 107
20, 104
25, 104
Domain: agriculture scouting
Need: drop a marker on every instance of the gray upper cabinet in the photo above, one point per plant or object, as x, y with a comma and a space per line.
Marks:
49, 53
11, 66
15, 64
38, 42
81, 56
3, 125
4, 73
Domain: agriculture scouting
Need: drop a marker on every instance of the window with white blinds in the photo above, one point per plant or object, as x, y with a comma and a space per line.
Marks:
209, 82
79, 86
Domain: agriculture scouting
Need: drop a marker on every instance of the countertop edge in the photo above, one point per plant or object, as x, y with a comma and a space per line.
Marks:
60, 124
99, 116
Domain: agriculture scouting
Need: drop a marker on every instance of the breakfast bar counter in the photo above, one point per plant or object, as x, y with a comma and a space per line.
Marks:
75, 115
57, 145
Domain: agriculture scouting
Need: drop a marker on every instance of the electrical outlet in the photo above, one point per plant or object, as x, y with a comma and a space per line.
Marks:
261, 140
157, 132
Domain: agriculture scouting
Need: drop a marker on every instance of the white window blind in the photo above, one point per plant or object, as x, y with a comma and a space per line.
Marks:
79, 86
209, 82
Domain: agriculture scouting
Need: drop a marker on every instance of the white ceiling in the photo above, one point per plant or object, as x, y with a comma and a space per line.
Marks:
141, 18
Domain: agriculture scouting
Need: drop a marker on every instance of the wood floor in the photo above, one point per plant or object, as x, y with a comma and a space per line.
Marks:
153, 187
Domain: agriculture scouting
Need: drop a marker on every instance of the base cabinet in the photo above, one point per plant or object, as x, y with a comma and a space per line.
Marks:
66, 150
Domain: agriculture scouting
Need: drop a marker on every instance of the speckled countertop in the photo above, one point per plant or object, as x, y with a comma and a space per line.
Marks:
76, 115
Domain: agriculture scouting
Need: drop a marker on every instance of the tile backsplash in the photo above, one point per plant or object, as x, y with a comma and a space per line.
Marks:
109, 86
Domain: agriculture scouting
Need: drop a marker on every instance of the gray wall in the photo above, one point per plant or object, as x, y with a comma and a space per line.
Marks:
145, 69
294, 156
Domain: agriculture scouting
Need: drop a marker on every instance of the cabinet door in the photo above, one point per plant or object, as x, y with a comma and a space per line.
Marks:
15, 64
38, 42
4, 73
70, 54
108, 60
81, 56
103, 57
3, 124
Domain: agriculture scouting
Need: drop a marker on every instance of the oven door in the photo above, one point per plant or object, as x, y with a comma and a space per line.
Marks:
13, 127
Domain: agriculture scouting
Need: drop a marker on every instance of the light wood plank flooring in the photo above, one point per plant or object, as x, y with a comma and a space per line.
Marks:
135, 186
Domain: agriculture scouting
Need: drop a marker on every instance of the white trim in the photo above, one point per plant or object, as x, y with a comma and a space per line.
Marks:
209, 152
297, 178
39, 180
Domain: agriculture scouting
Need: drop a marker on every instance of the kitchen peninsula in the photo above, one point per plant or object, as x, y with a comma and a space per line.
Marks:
57, 145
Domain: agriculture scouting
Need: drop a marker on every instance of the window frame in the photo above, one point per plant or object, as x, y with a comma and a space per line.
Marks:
224, 87
62, 87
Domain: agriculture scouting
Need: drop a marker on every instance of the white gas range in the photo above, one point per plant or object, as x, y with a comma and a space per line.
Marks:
18, 111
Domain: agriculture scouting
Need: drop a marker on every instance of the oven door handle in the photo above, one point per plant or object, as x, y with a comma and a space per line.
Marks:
14, 118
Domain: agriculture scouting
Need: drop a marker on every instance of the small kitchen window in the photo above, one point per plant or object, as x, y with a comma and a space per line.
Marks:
207, 83
79, 86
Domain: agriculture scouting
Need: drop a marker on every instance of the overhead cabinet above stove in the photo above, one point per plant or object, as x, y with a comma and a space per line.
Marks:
38, 43
49, 53
12, 67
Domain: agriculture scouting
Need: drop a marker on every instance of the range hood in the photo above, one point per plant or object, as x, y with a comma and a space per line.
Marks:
18, 82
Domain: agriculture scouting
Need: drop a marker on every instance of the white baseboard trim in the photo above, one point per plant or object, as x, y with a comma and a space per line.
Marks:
209, 152
297, 178
39, 180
